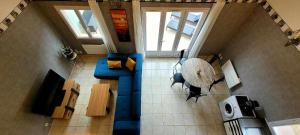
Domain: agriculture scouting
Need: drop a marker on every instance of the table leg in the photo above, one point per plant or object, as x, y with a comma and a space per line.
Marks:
110, 92
107, 109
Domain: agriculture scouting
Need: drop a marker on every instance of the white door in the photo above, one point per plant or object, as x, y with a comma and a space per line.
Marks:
168, 31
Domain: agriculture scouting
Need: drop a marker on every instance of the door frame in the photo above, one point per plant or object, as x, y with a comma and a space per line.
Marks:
184, 12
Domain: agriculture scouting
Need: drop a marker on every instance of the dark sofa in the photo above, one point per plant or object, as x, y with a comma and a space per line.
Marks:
128, 106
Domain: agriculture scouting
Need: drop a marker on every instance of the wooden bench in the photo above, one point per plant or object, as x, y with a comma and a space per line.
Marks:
99, 100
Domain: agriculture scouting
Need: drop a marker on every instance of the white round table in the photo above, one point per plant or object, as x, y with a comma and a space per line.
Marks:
197, 72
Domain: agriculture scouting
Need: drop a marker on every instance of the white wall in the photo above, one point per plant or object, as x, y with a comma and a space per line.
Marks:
6, 6
289, 10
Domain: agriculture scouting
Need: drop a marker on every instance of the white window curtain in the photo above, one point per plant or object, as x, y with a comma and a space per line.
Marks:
103, 27
137, 22
209, 23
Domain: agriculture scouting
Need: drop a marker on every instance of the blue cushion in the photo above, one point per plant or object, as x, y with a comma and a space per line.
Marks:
119, 56
124, 92
123, 109
102, 71
136, 105
125, 86
126, 128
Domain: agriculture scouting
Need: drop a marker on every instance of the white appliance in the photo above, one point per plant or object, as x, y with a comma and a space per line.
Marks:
236, 107
245, 127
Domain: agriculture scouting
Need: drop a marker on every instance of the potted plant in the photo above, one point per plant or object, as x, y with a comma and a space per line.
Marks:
67, 52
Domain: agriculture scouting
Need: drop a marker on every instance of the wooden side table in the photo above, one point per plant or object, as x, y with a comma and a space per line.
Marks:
99, 100
66, 108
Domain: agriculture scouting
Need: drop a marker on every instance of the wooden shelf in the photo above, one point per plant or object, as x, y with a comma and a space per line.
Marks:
66, 108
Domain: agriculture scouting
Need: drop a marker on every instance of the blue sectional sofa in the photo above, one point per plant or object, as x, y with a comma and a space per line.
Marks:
128, 106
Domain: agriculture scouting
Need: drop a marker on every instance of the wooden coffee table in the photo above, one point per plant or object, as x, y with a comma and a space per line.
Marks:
99, 100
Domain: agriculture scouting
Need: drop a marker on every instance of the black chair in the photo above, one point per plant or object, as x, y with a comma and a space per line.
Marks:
182, 58
177, 78
216, 82
214, 58
194, 92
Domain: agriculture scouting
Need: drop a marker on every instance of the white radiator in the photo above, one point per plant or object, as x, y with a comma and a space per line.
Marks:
95, 49
231, 77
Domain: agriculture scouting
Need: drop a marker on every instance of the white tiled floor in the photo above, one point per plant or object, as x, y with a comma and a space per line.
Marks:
164, 109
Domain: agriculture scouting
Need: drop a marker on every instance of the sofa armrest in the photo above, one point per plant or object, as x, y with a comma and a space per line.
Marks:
136, 105
126, 128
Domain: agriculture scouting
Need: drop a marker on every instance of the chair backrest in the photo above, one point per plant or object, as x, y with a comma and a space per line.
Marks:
214, 58
181, 54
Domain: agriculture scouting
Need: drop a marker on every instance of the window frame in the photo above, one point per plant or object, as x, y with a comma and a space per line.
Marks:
83, 24
184, 11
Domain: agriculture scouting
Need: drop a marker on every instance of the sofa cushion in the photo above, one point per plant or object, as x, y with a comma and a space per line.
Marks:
126, 128
123, 108
114, 64
139, 61
125, 85
130, 64
115, 56
102, 71
136, 105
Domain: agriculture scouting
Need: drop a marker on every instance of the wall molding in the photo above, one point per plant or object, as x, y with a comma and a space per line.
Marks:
11, 17
4, 25
277, 19
272, 13
181, 1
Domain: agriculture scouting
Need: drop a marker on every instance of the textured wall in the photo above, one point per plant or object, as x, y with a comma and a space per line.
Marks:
227, 25
269, 71
28, 49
